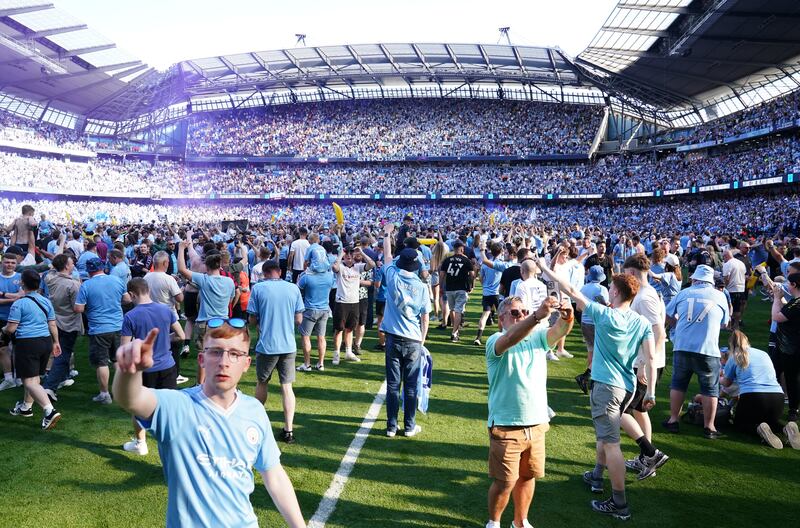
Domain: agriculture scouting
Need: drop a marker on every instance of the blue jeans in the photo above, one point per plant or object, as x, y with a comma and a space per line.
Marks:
402, 358
59, 370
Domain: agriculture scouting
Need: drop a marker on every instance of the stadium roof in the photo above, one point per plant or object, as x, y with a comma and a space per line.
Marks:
697, 53
677, 62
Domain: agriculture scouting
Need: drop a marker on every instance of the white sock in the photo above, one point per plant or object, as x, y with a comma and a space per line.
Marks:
47, 410
494, 524
349, 350
26, 406
104, 394
8, 376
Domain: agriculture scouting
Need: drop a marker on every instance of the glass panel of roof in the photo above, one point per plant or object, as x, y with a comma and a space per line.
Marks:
400, 50
243, 60
84, 38
368, 50
46, 19
466, 50
498, 51
335, 51
108, 57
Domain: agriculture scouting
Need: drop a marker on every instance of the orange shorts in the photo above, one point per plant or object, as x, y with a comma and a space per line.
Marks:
516, 451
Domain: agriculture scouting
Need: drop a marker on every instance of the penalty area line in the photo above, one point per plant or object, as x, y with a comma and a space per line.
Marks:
328, 503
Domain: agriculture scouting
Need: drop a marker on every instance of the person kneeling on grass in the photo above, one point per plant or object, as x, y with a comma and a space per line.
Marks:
516, 361
32, 321
760, 405
209, 436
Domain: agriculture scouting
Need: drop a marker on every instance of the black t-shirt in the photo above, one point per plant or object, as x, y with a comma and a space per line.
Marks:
607, 263
508, 276
456, 270
789, 332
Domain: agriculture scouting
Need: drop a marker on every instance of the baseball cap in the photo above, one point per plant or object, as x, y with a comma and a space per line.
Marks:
94, 265
703, 273
407, 260
14, 250
458, 244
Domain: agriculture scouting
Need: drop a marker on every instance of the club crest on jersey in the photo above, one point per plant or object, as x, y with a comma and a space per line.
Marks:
252, 435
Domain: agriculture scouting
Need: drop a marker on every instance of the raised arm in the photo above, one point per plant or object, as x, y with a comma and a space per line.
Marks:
388, 229
563, 325
563, 284
182, 269
519, 331
127, 388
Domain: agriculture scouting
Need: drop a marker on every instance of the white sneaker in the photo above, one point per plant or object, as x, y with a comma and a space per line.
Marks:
551, 413
66, 383
792, 434
135, 446
73, 373
349, 356
565, 354
525, 524
390, 433
768, 436
181, 379
18, 382
335, 359
417, 430
7, 384
304, 368
551, 356
104, 399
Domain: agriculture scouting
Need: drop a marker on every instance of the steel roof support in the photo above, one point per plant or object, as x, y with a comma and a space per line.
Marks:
9, 11
55, 31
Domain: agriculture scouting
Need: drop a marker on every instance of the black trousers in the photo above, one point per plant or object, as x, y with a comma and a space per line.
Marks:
757, 407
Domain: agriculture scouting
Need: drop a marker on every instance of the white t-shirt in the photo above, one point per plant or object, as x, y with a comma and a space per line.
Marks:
532, 291
76, 246
736, 270
648, 304
347, 283
299, 247
163, 288
257, 274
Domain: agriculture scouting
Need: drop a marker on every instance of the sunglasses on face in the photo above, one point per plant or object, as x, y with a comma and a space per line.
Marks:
516, 314
217, 322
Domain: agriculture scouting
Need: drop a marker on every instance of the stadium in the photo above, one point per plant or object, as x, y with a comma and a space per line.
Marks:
675, 132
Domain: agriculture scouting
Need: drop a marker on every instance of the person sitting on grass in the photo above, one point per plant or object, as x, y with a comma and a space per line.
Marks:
760, 404
209, 436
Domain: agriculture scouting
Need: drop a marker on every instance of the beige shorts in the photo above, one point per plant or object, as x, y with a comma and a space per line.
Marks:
517, 451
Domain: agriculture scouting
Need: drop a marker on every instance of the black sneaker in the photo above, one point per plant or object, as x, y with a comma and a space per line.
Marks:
454, 338
287, 436
651, 463
442, 326
379, 347
50, 421
19, 411
671, 427
595, 485
710, 434
792, 416
608, 507
356, 349
583, 383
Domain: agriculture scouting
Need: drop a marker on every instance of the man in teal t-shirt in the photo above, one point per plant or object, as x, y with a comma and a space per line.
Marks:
518, 419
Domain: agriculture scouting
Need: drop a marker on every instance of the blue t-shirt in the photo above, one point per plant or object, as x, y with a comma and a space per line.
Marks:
122, 271
406, 301
143, 318
316, 289
490, 277
207, 453
102, 296
426, 258
8, 285
275, 302
377, 278
32, 320
617, 338
595, 292
759, 376
317, 259
700, 310
85, 257
216, 293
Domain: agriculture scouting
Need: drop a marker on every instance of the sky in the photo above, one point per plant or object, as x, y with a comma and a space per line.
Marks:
163, 32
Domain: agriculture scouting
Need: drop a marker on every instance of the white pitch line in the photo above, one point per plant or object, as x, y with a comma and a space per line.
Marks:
328, 503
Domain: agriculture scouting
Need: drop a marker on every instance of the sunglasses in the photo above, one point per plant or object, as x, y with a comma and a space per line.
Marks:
516, 314
217, 322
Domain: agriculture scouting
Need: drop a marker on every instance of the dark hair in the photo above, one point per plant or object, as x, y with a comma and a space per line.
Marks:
31, 280
90, 245
117, 254
638, 262
27, 208
795, 279
627, 285
522, 253
213, 261
138, 286
60, 261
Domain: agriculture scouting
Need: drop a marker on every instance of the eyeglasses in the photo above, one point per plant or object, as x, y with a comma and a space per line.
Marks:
516, 314
217, 353
217, 322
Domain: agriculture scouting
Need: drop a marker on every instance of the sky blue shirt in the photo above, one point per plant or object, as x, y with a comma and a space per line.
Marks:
216, 293
207, 454
316, 289
490, 277
759, 376
377, 278
122, 271
406, 301
32, 320
85, 257
595, 292
275, 302
700, 310
102, 296
138, 322
617, 338
8, 285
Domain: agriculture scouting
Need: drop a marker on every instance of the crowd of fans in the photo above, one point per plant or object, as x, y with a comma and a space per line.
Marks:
616, 173
757, 213
388, 129
21, 130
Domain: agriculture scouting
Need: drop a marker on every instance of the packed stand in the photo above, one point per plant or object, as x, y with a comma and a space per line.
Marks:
14, 128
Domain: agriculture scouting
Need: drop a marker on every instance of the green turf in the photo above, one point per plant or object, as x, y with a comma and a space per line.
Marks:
78, 475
